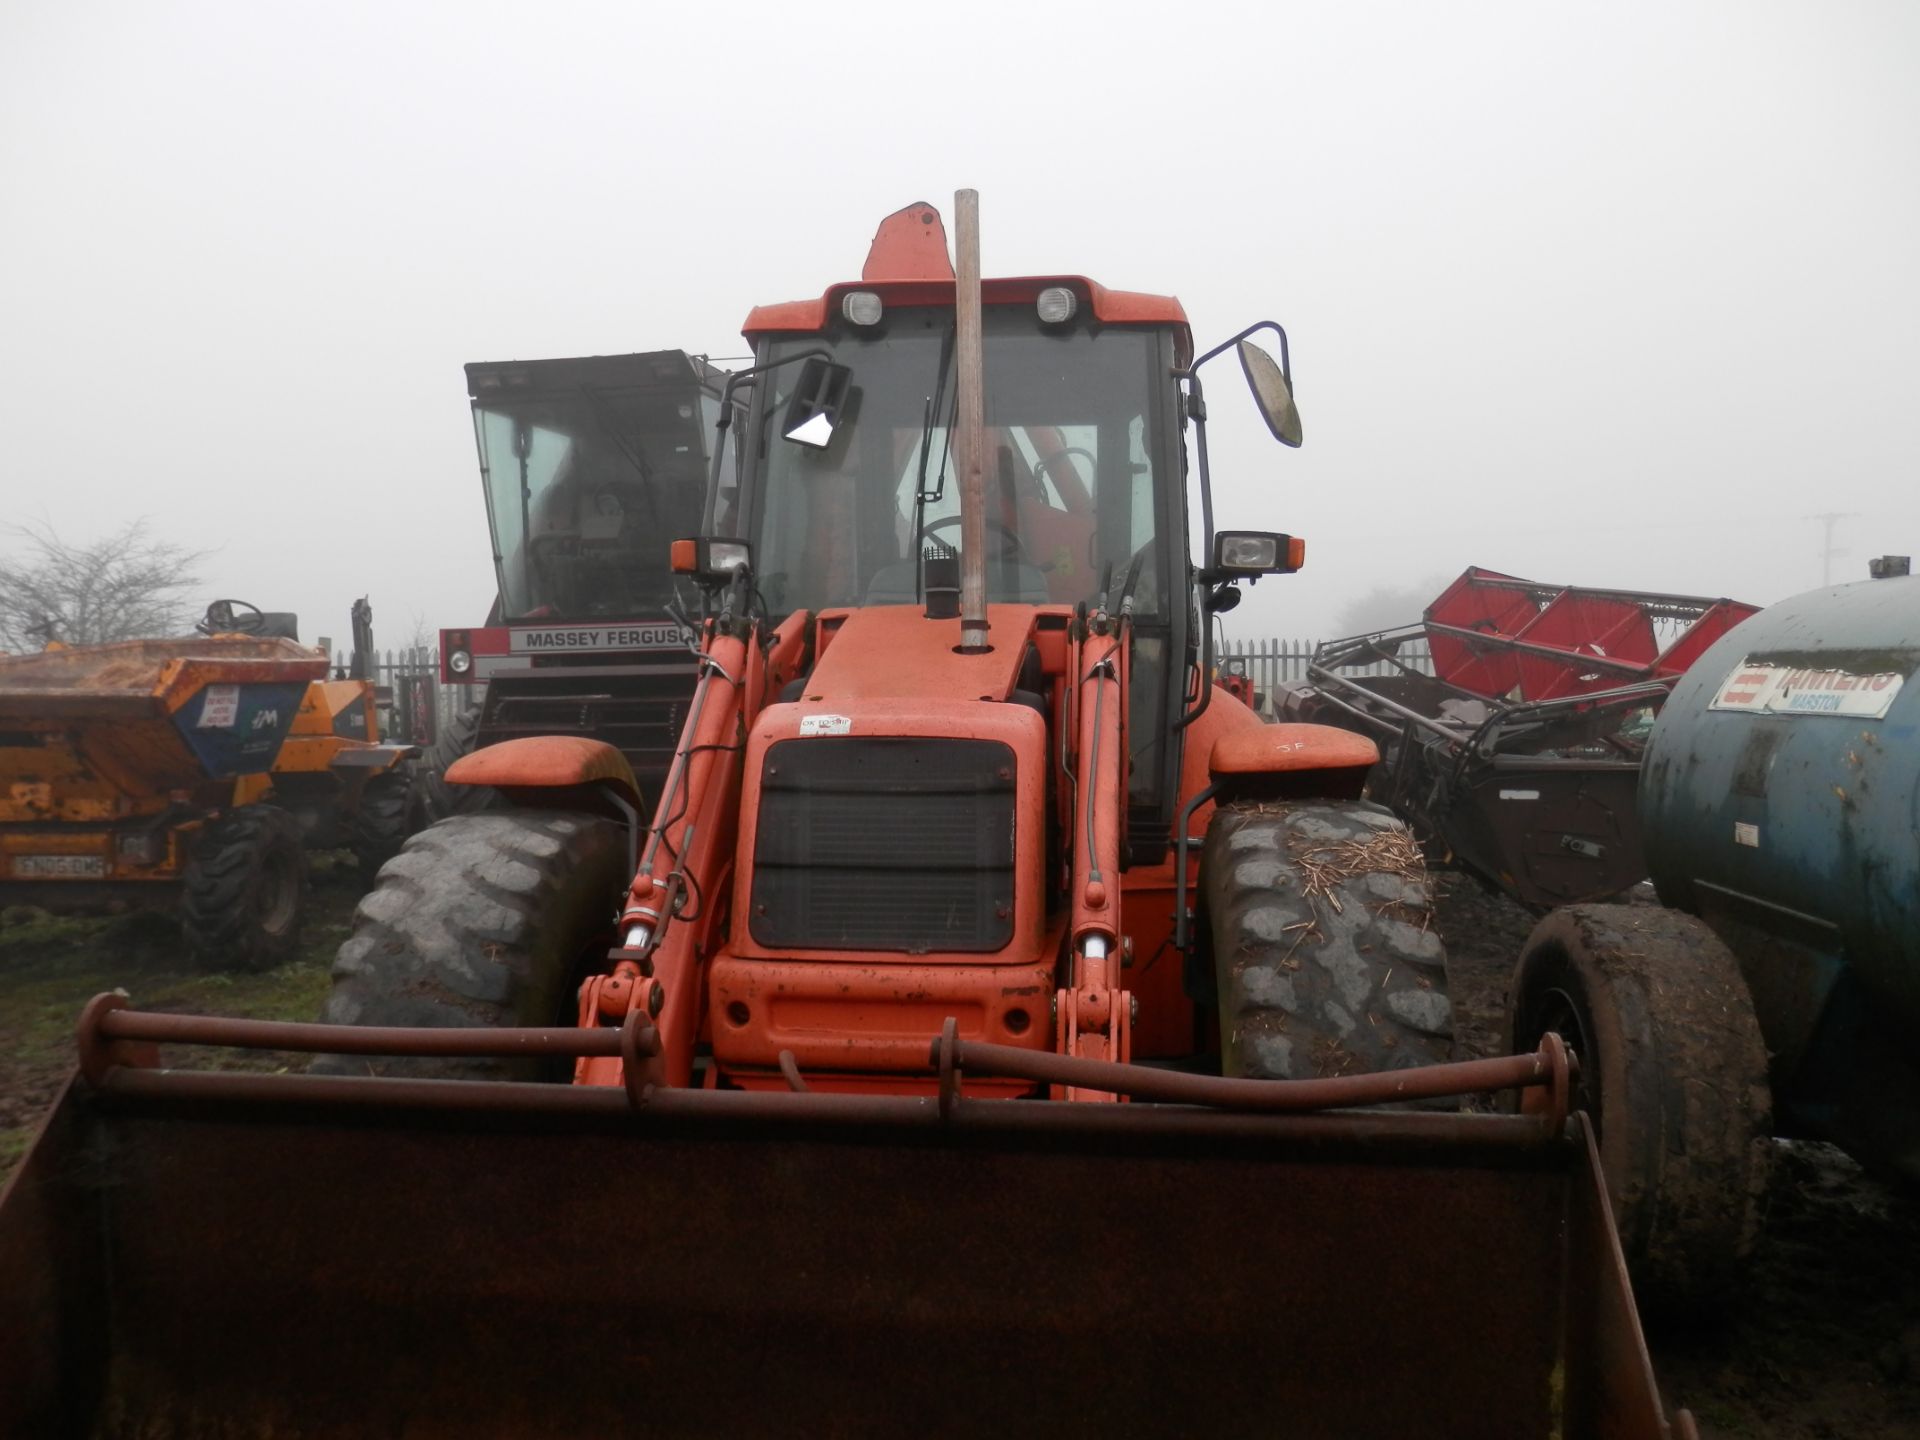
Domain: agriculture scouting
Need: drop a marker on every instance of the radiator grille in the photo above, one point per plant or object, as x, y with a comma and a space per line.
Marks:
639, 715
885, 843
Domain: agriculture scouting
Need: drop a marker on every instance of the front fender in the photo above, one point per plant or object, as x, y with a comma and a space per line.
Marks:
529, 770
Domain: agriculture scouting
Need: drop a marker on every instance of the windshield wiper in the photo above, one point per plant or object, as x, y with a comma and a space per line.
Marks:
935, 409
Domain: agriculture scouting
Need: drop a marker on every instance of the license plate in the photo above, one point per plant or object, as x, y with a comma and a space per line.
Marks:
60, 867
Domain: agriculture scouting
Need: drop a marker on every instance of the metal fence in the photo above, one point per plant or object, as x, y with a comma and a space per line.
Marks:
1271, 663
413, 703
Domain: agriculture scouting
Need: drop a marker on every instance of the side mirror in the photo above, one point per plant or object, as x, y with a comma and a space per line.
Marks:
1249, 554
1271, 392
819, 396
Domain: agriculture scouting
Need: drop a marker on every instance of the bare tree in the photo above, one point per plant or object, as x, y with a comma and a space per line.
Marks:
124, 586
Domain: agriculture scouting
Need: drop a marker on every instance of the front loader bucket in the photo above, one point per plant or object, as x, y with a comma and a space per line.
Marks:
227, 1255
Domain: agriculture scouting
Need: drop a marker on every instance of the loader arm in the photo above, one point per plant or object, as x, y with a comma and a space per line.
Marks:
1093, 1015
680, 889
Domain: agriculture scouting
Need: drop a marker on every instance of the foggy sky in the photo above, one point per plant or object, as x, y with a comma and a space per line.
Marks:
1610, 295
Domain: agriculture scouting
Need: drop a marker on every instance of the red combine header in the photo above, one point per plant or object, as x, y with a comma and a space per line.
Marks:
1519, 750
1512, 639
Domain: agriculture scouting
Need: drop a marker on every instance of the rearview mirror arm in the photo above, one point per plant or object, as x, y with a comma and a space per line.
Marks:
1210, 590
1286, 362
1197, 411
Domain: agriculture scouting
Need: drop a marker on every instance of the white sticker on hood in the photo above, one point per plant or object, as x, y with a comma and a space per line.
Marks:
826, 725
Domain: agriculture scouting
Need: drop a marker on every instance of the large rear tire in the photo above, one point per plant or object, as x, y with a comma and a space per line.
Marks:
383, 819
433, 798
1673, 1075
1325, 957
245, 890
481, 920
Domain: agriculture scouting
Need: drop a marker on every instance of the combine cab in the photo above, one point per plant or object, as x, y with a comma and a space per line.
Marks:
590, 466
956, 834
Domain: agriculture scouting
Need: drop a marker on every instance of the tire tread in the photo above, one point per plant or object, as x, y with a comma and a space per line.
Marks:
480, 920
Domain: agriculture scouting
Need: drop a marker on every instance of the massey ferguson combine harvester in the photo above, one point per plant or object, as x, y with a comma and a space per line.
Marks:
842, 1152
590, 467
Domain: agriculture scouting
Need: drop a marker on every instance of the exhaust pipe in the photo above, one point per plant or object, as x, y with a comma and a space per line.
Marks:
967, 437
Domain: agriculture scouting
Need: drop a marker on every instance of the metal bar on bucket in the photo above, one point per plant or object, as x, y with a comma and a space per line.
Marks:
116, 1048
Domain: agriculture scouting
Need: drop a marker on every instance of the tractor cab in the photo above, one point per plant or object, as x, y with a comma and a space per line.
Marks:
847, 490
589, 466
964, 753
1081, 453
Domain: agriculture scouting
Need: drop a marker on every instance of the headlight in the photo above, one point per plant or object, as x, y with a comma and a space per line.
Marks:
1249, 552
1056, 305
861, 307
459, 662
724, 555
709, 559
1245, 554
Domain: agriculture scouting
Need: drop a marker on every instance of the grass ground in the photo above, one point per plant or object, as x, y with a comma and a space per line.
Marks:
51, 966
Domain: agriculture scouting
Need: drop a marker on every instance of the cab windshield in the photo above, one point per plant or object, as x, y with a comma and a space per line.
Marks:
586, 484
1077, 454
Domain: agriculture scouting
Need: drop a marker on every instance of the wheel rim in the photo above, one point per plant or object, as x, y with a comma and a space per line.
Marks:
279, 894
1557, 1011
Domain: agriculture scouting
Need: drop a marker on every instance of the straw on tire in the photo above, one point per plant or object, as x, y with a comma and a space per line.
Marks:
1325, 957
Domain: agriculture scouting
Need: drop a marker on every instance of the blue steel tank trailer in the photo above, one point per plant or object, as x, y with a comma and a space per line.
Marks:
1775, 990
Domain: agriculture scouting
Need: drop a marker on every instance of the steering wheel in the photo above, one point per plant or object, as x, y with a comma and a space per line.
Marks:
220, 619
1010, 543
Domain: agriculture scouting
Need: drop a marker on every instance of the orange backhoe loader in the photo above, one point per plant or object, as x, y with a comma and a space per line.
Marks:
997, 1029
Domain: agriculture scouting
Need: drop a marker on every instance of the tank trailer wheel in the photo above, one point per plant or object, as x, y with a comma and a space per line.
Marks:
1673, 1074
433, 799
245, 890
382, 820
481, 920
1324, 953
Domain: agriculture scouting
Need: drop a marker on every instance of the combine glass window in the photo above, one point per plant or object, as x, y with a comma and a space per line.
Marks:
585, 488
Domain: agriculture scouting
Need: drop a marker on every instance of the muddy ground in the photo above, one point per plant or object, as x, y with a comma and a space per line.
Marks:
1825, 1341
50, 966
